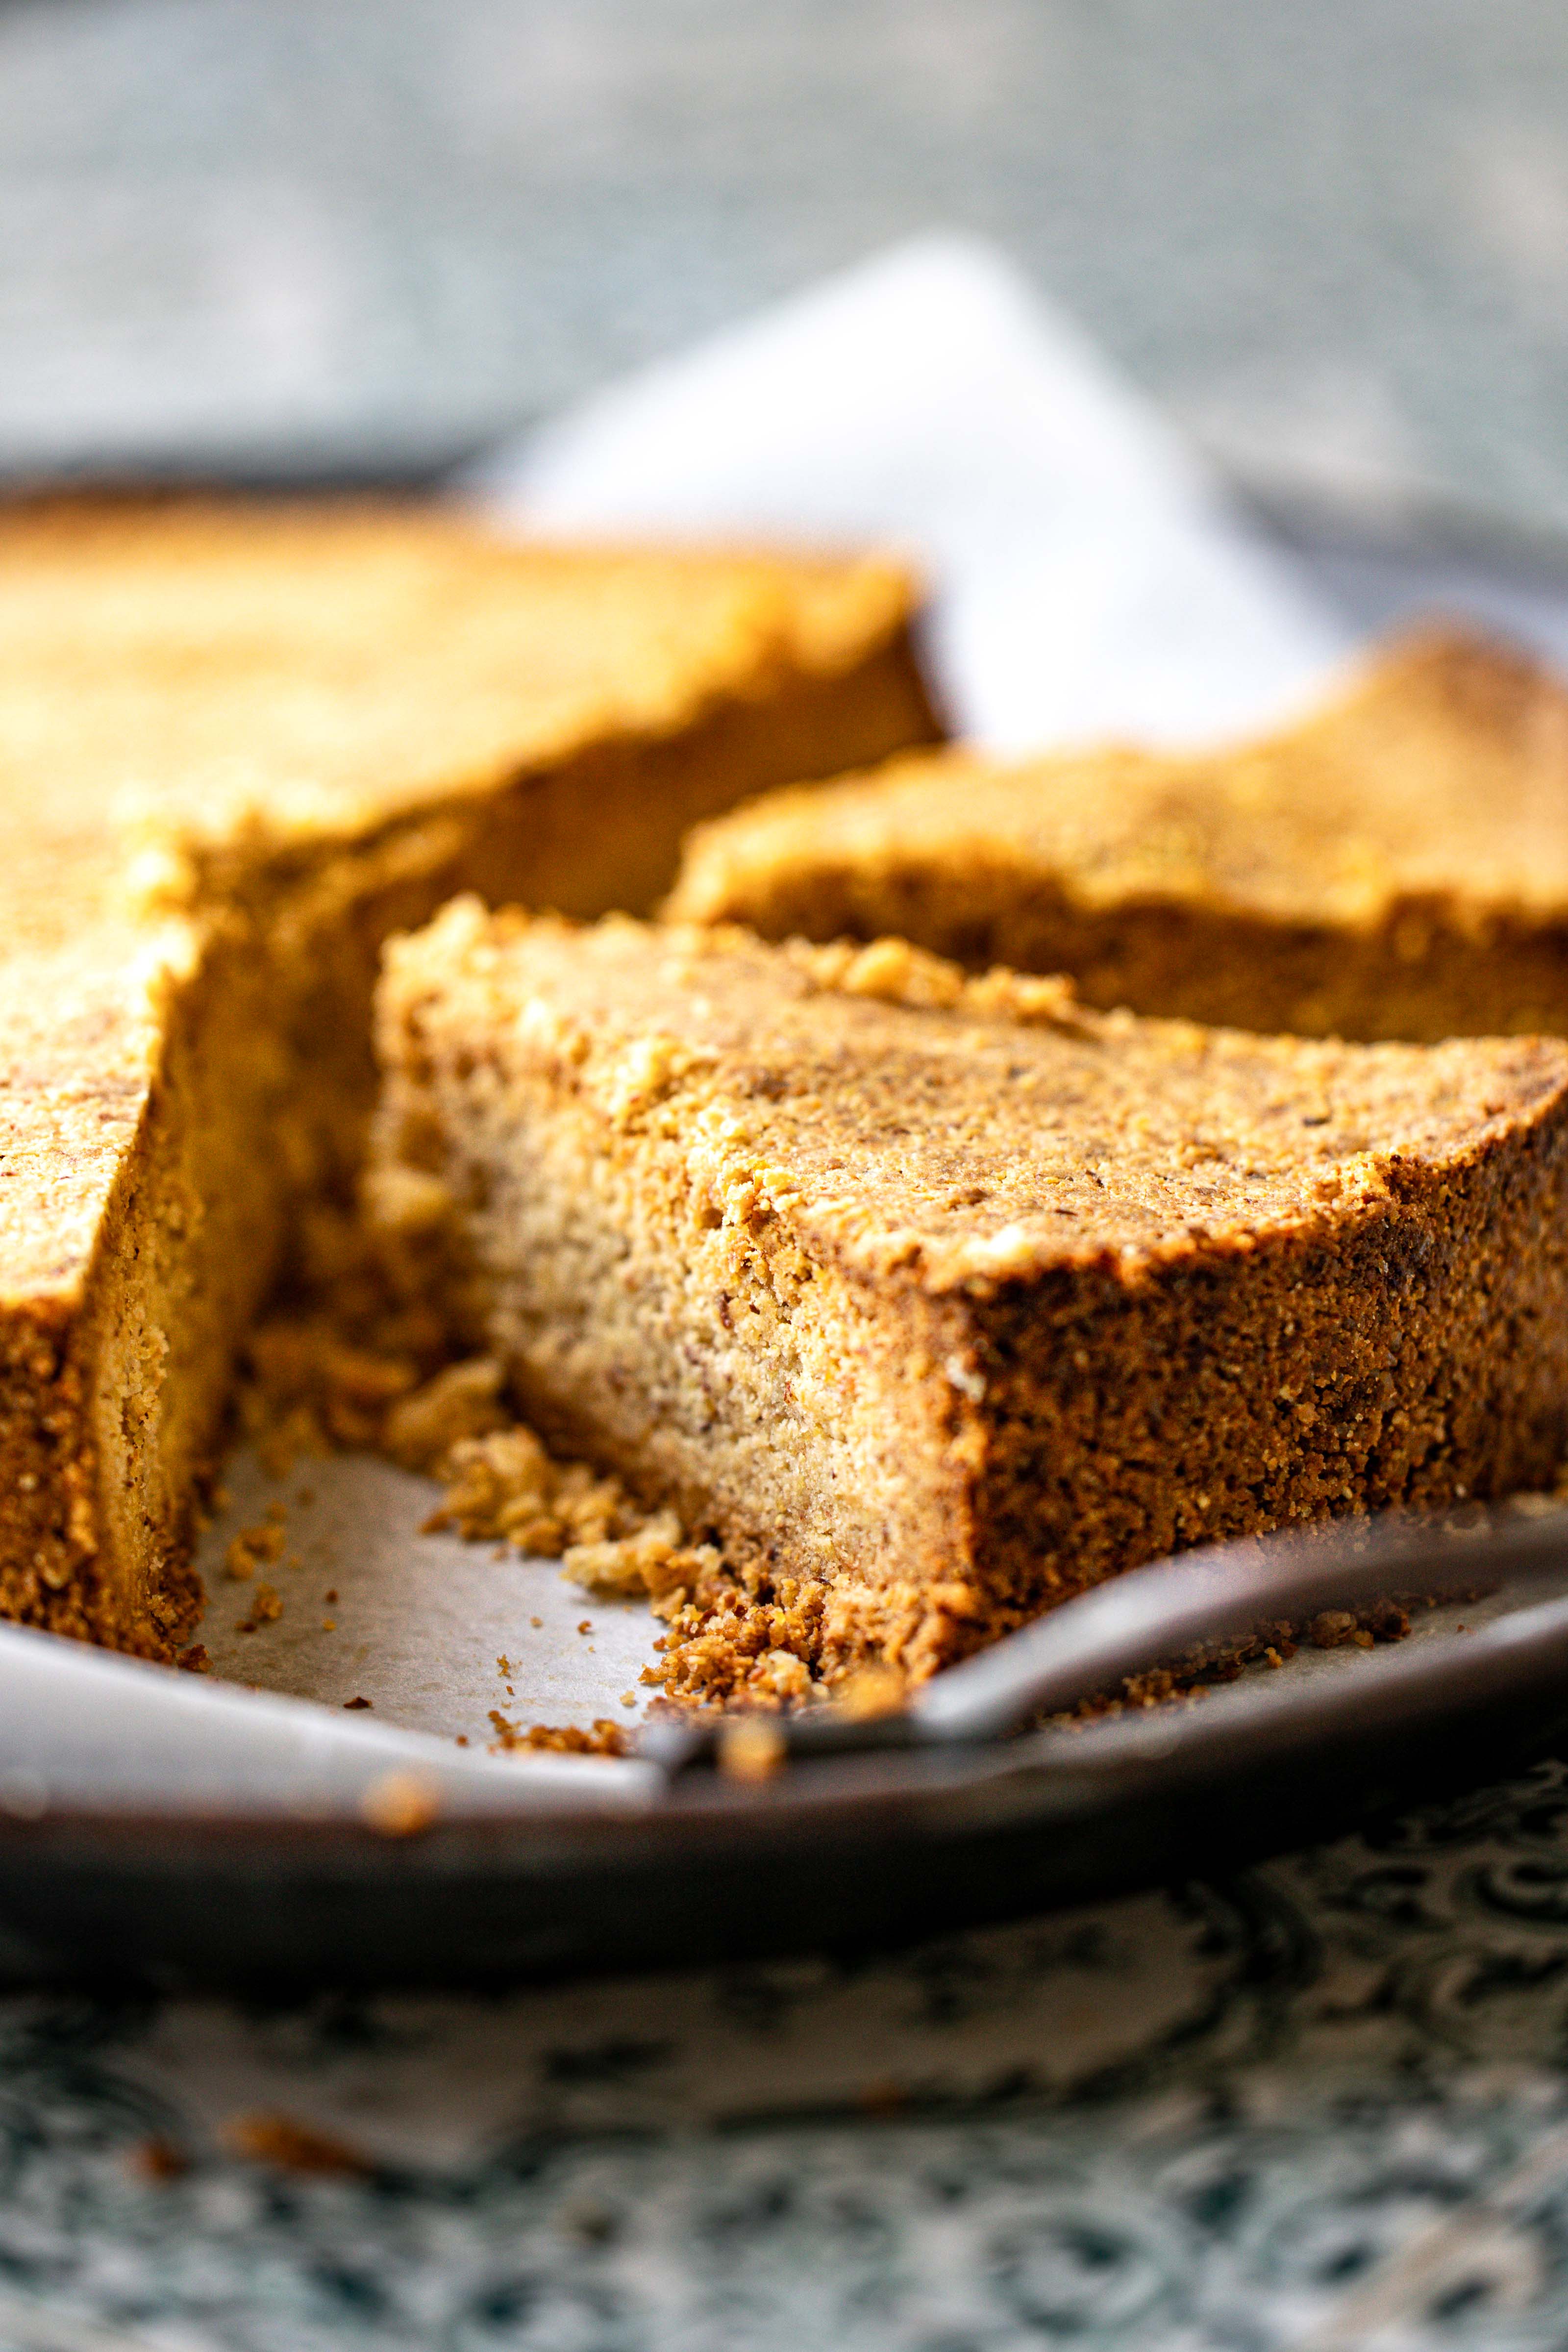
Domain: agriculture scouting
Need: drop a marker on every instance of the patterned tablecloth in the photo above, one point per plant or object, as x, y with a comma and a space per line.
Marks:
1318, 2104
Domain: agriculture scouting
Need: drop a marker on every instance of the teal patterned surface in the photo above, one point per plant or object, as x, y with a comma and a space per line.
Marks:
1321, 2104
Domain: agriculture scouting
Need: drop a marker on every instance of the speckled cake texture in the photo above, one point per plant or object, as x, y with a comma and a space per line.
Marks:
934, 1299
237, 746
1396, 866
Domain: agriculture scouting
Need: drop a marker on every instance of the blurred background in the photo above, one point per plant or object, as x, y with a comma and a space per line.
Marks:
366, 237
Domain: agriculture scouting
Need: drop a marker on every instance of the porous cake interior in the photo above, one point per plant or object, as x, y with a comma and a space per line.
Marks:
935, 1301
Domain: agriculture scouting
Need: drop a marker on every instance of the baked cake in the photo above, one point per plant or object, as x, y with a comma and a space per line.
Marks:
236, 747
935, 1300
1396, 866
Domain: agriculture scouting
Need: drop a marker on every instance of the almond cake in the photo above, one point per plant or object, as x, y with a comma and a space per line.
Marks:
1396, 865
933, 1299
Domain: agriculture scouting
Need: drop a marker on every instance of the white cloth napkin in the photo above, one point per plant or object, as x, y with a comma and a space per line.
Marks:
1090, 578
1093, 578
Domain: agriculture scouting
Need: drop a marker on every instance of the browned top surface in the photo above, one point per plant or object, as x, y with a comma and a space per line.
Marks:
961, 1130
272, 674
186, 690
1443, 771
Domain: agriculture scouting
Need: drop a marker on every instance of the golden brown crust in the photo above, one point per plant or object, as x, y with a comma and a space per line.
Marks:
1395, 865
260, 678
237, 745
936, 1298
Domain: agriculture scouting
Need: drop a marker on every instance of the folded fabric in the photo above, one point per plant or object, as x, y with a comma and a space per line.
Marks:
1092, 576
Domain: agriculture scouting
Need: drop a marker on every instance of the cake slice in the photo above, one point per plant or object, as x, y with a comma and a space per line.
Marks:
935, 1300
237, 746
1396, 866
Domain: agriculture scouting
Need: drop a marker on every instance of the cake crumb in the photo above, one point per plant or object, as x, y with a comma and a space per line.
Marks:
351, 1706
605, 1737
330, 1374
252, 1549
1270, 1646
196, 1660
265, 1609
461, 1402
293, 2147
401, 1804
159, 2160
506, 1486
750, 1748
1332, 1629
870, 1691
651, 1562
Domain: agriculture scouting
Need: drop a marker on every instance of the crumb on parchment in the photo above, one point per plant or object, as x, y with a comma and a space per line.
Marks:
254, 1547
401, 1804
362, 1361
603, 1738
380, 1381
265, 1609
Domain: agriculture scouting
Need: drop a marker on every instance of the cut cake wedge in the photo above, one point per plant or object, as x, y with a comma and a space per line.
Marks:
237, 746
935, 1300
1395, 867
